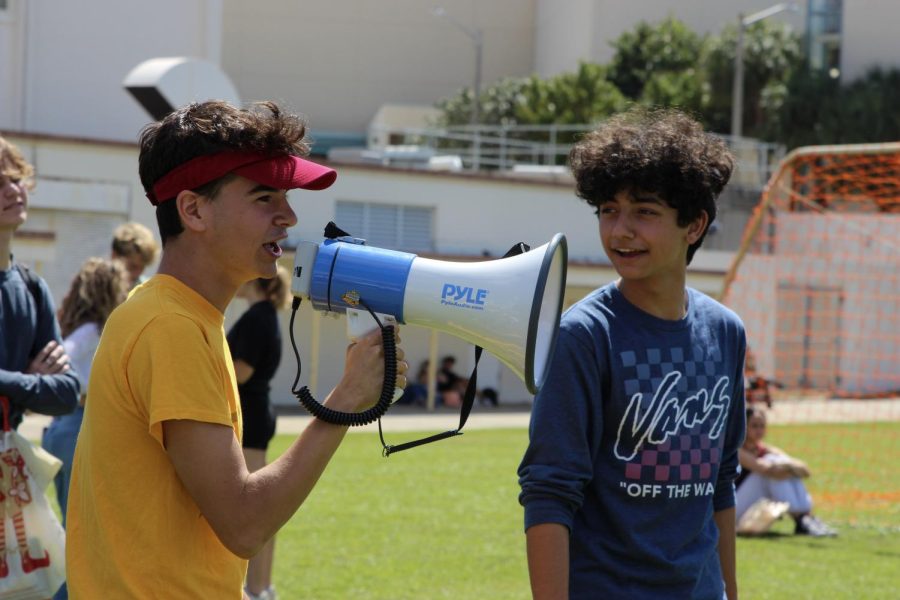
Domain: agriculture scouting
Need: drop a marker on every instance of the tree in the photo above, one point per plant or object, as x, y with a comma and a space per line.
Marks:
772, 53
686, 89
818, 110
669, 47
583, 96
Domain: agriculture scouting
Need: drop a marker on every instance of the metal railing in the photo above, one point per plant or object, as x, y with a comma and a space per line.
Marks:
509, 147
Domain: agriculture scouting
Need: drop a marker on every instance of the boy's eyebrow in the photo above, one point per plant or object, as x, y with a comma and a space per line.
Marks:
262, 188
647, 198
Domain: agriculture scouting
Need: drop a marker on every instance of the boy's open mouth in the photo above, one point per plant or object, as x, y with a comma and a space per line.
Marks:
273, 248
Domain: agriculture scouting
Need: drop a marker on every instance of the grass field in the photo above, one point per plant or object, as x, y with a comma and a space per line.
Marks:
443, 521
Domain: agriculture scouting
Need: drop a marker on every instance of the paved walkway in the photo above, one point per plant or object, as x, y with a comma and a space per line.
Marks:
290, 421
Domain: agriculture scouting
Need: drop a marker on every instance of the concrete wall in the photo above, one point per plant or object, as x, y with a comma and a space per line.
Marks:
62, 63
338, 62
869, 36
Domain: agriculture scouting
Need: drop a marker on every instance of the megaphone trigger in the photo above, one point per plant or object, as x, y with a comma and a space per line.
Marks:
361, 323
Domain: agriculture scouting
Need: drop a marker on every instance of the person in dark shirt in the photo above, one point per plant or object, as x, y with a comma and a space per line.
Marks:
628, 479
255, 343
450, 386
35, 371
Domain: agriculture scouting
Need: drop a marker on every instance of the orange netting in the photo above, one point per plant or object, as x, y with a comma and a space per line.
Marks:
817, 278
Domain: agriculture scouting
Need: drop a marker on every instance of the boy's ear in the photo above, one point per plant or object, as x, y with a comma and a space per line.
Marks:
191, 210
697, 227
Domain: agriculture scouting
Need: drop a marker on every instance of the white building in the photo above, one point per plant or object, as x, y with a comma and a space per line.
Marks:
339, 62
61, 99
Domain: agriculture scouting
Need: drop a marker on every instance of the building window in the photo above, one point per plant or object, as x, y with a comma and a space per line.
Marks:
824, 36
392, 226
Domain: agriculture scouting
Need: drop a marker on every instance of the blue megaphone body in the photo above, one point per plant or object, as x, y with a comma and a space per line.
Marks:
509, 306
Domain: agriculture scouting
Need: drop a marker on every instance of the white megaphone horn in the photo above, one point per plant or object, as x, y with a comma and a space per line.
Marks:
509, 306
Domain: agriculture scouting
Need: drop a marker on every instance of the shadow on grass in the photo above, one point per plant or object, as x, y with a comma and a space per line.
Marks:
768, 535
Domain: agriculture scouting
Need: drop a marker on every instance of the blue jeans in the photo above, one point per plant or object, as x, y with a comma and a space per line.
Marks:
59, 440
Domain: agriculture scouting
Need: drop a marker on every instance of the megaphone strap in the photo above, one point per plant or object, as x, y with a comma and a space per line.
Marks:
468, 399
464, 410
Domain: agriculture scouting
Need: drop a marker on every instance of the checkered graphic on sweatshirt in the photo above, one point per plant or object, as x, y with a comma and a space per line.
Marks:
689, 455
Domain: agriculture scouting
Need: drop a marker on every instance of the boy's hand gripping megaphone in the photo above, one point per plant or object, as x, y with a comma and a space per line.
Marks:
509, 306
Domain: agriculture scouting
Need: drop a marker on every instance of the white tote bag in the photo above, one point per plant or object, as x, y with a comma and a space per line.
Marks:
33, 542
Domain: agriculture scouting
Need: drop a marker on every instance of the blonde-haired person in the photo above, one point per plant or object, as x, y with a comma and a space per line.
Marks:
135, 246
98, 287
34, 369
255, 343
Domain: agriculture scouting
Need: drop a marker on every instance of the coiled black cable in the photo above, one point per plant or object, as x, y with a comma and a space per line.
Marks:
336, 417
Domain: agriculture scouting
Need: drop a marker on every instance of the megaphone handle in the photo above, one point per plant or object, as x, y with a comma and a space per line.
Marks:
320, 411
360, 324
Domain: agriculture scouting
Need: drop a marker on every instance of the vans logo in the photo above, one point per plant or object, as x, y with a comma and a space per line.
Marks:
463, 296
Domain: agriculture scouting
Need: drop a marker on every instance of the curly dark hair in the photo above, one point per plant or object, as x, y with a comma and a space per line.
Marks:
199, 129
662, 151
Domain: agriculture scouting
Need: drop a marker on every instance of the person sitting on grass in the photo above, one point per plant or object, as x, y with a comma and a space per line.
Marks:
769, 472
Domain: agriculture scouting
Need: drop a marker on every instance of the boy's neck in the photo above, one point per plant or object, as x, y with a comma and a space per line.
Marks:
666, 301
192, 269
5, 249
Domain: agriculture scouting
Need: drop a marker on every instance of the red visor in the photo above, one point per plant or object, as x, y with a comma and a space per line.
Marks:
285, 172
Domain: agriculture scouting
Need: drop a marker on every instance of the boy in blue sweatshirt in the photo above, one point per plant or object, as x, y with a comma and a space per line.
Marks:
627, 481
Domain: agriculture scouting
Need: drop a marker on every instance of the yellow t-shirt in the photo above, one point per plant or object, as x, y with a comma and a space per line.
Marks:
133, 529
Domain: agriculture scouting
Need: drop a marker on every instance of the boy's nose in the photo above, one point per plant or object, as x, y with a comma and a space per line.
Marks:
287, 217
622, 227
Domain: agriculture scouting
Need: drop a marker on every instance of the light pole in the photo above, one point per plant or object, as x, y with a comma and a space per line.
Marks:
474, 34
737, 88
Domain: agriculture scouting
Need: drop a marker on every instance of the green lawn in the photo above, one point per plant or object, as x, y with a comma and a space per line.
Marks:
442, 521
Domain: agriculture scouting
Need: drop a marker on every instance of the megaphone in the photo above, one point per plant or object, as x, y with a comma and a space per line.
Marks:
510, 306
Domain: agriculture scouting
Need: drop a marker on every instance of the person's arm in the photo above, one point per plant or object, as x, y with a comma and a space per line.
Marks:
558, 462
548, 561
246, 509
725, 521
724, 498
47, 385
246, 340
52, 359
784, 468
243, 371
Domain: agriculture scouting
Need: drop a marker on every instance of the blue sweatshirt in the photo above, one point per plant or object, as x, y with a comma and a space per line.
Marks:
25, 329
633, 445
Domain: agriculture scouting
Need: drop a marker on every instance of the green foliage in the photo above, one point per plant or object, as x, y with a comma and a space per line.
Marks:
584, 96
772, 53
651, 51
498, 103
667, 64
683, 89
818, 110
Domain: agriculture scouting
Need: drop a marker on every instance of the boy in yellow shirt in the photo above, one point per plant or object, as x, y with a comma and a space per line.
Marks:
162, 504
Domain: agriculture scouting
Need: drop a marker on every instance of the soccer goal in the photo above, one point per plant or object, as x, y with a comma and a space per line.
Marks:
817, 277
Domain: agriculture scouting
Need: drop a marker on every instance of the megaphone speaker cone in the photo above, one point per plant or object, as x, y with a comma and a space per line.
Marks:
510, 307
